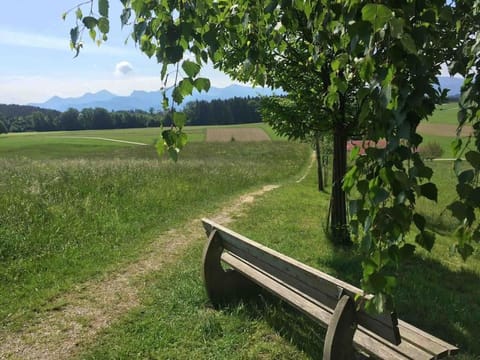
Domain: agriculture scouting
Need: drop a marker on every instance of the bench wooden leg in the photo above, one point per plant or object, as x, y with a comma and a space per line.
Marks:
339, 339
222, 285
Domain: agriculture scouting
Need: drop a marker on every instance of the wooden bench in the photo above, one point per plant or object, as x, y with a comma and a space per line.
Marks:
325, 299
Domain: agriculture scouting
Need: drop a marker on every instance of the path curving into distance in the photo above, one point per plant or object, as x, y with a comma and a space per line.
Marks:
104, 139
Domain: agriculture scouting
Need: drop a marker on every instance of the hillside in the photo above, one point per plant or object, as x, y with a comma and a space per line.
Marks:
12, 110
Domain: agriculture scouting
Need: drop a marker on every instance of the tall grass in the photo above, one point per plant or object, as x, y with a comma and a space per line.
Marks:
67, 220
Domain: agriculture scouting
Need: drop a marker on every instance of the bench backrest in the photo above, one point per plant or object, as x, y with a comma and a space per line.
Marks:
316, 285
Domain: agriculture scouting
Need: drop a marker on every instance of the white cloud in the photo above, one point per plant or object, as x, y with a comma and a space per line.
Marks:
21, 89
34, 40
33, 89
123, 68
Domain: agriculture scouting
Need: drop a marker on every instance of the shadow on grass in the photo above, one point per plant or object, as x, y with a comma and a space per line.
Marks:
430, 296
442, 223
291, 324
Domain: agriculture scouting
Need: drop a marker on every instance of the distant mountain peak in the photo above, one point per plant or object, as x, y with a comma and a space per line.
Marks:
144, 100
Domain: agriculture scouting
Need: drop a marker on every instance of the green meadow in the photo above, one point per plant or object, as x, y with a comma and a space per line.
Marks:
75, 208
72, 209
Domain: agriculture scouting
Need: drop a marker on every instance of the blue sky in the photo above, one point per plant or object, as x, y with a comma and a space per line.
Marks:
36, 62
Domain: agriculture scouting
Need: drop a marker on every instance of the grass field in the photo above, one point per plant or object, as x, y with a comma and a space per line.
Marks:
100, 143
437, 292
77, 211
445, 114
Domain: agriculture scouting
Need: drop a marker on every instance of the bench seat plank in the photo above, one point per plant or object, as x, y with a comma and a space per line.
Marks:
322, 315
364, 339
317, 284
421, 338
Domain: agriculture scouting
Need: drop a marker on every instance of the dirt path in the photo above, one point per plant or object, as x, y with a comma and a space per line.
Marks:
93, 306
443, 129
104, 139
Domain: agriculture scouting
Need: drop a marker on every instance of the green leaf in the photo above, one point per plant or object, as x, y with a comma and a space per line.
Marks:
362, 186
125, 17
173, 54
179, 118
461, 211
379, 302
168, 137
377, 14
202, 84
466, 176
160, 146
191, 68
474, 197
177, 95
408, 44
396, 27
74, 33
93, 34
378, 195
184, 88
104, 25
377, 281
139, 30
90, 22
425, 239
419, 221
407, 251
366, 69
464, 190
173, 153
465, 250
429, 190
103, 7
369, 267
456, 146
424, 172
366, 243
339, 62
79, 13
473, 157
182, 140
354, 152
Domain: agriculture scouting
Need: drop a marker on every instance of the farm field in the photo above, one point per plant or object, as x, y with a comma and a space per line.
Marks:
93, 142
100, 249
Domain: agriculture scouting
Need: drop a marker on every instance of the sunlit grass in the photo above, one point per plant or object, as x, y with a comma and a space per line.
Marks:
65, 221
437, 292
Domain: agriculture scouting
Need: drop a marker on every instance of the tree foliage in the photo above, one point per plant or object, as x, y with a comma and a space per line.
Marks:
24, 118
223, 112
382, 59
3, 128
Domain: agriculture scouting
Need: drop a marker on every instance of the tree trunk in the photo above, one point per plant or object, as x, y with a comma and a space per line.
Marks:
338, 208
321, 185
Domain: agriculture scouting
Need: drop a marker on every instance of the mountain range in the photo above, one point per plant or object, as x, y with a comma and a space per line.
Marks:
146, 100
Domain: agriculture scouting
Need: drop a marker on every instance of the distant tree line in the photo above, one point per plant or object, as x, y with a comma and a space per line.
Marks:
37, 119
19, 118
224, 112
